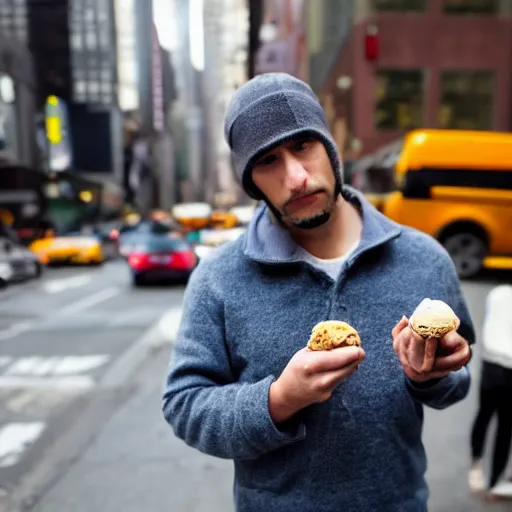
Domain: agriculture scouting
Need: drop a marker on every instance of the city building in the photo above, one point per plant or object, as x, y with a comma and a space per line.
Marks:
211, 60
149, 91
21, 185
126, 48
102, 62
226, 52
73, 43
282, 35
92, 30
303, 38
419, 63
18, 83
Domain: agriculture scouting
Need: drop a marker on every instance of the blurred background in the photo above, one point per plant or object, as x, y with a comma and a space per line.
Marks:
115, 180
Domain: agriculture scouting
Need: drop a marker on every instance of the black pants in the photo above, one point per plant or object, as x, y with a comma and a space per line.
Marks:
495, 398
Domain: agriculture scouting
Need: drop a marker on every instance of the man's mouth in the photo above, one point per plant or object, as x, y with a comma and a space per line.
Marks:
303, 201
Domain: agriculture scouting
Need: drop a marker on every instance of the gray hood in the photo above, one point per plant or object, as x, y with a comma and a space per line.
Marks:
268, 110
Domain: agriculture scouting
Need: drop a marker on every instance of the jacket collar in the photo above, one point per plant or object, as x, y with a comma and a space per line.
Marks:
267, 241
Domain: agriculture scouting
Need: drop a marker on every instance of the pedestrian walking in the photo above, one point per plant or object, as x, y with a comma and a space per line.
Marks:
495, 398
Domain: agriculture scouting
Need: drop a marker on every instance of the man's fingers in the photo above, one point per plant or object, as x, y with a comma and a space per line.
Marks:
399, 327
416, 353
418, 377
452, 341
424, 359
329, 380
410, 371
453, 361
430, 354
403, 340
332, 360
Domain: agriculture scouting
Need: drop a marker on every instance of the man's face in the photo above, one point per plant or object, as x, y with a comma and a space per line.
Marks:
297, 178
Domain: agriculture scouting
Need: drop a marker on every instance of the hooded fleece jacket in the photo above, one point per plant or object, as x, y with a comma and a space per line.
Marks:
250, 307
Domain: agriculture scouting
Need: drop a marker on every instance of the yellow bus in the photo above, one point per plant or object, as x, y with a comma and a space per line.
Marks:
457, 187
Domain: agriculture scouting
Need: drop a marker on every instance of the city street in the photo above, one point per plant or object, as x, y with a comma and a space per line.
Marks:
83, 361
67, 352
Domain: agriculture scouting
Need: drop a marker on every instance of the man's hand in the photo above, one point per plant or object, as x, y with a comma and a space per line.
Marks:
310, 377
418, 356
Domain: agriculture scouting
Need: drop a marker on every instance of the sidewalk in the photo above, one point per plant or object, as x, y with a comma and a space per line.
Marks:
136, 463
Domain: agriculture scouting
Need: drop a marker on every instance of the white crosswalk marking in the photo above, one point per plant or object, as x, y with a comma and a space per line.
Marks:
69, 383
64, 373
15, 438
26, 365
31, 366
38, 384
71, 365
67, 365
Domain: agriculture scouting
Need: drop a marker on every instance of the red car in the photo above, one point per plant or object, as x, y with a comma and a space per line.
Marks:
161, 258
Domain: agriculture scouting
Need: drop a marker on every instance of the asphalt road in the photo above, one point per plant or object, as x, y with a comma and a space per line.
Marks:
99, 440
66, 345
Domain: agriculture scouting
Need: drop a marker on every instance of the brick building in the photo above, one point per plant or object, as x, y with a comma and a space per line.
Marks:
420, 63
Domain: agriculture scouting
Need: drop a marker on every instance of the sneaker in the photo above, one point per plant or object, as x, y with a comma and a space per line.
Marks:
501, 491
476, 477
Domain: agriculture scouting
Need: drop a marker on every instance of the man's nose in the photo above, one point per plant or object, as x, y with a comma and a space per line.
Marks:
295, 174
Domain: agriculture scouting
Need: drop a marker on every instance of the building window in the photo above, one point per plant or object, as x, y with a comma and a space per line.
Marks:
94, 88
102, 10
90, 39
80, 87
400, 5
89, 16
399, 103
471, 6
466, 100
76, 41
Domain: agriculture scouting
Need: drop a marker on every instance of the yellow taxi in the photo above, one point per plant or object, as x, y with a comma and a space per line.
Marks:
85, 250
455, 185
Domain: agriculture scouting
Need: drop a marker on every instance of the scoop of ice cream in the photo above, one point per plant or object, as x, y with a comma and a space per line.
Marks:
433, 319
332, 334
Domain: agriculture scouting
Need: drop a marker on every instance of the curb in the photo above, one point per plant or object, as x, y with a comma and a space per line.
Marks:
162, 333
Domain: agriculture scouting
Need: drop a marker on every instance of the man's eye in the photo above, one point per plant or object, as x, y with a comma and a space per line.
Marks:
266, 160
301, 145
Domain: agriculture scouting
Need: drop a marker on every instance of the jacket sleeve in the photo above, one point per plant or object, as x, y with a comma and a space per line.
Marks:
203, 401
453, 388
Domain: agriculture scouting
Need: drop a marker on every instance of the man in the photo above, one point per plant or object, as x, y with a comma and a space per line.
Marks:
495, 396
311, 431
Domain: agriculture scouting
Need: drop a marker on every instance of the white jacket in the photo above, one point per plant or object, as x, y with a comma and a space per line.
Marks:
497, 331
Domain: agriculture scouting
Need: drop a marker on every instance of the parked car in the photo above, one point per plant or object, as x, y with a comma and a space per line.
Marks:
33, 265
161, 258
5, 272
17, 262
